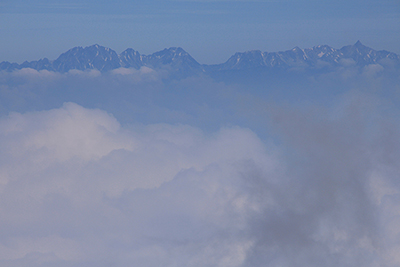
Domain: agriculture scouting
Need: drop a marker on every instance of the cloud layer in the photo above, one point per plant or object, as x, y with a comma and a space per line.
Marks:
136, 169
77, 188
91, 191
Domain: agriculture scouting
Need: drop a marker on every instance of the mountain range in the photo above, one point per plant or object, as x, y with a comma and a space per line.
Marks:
178, 61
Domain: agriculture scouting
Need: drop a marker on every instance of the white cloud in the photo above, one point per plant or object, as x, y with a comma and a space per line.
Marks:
372, 70
81, 183
77, 188
62, 134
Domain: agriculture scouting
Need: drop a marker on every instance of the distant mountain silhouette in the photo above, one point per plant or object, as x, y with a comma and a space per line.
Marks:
178, 61
321, 56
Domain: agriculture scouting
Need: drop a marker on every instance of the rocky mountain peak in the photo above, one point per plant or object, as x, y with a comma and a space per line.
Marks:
177, 60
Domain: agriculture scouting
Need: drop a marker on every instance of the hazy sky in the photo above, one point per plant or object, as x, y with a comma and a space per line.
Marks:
248, 168
210, 31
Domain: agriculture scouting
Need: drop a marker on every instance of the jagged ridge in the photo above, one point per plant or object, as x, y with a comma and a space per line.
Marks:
316, 57
177, 60
105, 59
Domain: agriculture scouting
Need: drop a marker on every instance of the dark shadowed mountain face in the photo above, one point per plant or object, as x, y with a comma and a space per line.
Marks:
174, 60
91, 57
180, 64
318, 57
174, 57
363, 55
130, 59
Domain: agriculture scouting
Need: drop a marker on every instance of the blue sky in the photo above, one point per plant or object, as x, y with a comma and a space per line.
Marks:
210, 31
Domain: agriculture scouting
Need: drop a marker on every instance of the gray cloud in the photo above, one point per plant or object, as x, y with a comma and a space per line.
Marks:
136, 169
77, 188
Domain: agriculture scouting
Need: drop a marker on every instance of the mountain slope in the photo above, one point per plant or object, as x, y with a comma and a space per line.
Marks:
91, 57
316, 57
179, 63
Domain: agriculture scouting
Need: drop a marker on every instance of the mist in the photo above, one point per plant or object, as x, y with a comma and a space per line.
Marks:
130, 167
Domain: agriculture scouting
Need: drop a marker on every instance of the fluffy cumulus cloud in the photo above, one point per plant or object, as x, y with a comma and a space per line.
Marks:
77, 188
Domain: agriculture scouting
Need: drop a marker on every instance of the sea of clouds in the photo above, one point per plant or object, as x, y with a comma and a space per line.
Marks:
126, 169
